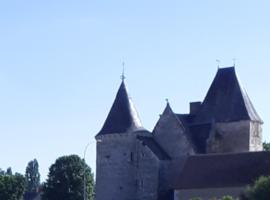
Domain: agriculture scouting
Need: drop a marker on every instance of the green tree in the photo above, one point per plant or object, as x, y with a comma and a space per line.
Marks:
266, 146
9, 171
227, 198
32, 176
11, 186
259, 191
66, 180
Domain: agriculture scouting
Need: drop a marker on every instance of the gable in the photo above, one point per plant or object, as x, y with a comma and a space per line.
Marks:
171, 134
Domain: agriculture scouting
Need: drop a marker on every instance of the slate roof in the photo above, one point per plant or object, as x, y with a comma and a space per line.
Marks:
188, 118
154, 147
226, 100
223, 170
123, 116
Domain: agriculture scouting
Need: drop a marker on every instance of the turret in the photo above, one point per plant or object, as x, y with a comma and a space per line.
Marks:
236, 124
116, 150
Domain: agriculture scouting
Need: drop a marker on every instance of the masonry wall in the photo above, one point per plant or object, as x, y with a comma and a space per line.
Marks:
116, 167
170, 172
147, 173
255, 136
207, 193
171, 136
241, 136
229, 137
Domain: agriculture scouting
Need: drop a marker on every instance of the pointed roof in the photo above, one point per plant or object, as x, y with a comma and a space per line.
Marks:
123, 116
226, 100
168, 110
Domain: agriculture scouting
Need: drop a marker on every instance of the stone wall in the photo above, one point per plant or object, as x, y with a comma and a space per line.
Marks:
238, 136
170, 172
170, 135
255, 136
147, 173
116, 166
229, 137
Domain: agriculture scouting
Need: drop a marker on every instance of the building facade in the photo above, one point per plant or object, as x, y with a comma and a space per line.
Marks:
136, 164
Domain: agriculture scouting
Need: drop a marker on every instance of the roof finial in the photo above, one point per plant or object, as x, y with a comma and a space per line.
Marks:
123, 72
218, 62
234, 60
167, 100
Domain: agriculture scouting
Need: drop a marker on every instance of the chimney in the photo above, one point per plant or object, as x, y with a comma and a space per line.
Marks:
194, 107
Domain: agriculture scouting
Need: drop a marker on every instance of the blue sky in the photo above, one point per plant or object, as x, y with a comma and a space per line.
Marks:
61, 61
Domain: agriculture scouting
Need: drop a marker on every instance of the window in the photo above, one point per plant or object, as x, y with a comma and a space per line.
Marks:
131, 157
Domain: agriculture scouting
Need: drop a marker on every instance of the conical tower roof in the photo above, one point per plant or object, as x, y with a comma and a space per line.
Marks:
226, 100
123, 116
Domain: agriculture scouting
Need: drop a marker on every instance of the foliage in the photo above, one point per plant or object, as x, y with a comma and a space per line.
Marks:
9, 171
259, 191
32, 176
227, 198
11, 186
66, 180
2, 172
223, 198
266, 146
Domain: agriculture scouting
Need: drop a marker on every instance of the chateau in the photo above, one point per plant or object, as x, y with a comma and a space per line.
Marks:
214, 150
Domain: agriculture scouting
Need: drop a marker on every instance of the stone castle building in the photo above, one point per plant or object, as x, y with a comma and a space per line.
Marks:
214, 150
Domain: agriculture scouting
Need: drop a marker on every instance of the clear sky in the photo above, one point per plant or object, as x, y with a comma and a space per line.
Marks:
61, 61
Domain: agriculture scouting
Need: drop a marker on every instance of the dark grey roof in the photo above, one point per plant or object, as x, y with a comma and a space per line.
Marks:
226, 100
123, 116
154, 147
188, 118
223, 170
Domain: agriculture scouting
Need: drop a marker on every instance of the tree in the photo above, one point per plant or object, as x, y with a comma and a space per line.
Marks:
266, 146
227, 198
9, 171
2, 172
259, 191
32, 176
66, 180
11, 186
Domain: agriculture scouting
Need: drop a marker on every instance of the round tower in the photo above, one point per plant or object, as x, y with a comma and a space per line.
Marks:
116, 160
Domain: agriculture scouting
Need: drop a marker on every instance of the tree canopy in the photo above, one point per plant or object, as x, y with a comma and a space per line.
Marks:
66, 180
266, 146
259, 191
11, 186
32, 176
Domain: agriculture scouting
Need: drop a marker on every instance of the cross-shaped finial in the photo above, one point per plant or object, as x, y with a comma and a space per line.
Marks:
123, 72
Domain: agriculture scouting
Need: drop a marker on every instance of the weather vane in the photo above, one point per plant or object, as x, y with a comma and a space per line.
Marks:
218, 62
123, 72
234, 60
